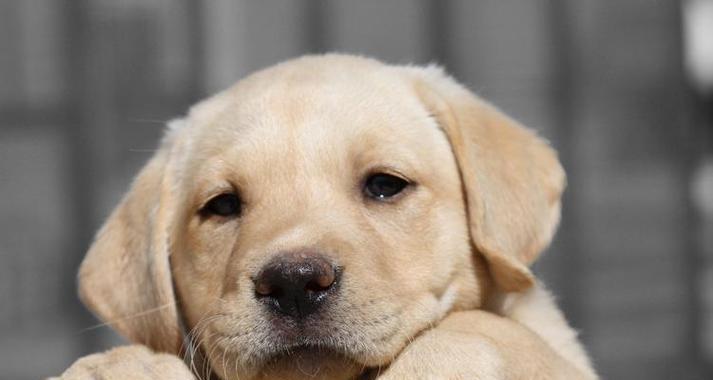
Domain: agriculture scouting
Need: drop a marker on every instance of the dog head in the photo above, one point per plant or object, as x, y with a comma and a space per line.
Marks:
321, 213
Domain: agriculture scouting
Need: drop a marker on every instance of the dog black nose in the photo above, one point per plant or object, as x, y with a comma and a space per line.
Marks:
296, 284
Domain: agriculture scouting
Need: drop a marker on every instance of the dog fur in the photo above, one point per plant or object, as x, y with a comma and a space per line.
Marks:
436, 282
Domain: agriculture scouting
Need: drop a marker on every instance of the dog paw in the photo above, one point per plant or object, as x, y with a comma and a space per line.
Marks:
127, 362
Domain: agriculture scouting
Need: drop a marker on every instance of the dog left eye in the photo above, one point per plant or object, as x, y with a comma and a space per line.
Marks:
383, 186
223, 205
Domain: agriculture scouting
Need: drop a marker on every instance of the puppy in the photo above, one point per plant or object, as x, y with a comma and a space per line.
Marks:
333, 217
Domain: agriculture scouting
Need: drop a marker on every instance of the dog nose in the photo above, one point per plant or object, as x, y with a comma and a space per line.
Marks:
296, 284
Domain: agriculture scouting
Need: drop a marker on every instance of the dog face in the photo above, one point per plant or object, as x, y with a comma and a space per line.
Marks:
318, 215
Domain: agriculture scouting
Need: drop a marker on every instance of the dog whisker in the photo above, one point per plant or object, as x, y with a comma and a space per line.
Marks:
128, 317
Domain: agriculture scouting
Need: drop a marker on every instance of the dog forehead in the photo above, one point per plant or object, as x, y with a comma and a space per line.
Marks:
330, 75
298, 108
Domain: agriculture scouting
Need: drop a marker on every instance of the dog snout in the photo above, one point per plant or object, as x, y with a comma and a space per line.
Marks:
297, 284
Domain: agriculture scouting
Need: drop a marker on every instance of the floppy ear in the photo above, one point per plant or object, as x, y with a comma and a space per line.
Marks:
512, 179
125, 278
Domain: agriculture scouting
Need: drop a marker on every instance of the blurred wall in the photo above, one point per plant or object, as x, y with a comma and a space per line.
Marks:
89, 84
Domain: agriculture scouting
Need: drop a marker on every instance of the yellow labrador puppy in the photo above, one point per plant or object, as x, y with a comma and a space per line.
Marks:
333, 217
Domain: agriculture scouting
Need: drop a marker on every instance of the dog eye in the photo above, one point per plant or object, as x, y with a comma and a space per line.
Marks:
227, 204
382, 186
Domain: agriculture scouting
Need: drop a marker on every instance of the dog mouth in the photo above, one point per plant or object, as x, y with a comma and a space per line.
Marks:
307, 358
312, 347
319, 342
321, 337
307, 344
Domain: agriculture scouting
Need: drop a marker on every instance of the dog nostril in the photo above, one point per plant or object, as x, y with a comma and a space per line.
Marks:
263, 288
322, 282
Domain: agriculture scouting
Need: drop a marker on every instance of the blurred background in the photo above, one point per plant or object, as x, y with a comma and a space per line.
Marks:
621, 88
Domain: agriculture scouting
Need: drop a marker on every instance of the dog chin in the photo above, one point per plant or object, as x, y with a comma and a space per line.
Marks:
311, 362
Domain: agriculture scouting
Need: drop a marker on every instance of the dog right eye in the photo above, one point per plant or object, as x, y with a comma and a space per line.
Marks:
224, 205
382, 186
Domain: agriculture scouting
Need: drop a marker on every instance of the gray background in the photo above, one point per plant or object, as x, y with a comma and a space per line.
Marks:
86, 86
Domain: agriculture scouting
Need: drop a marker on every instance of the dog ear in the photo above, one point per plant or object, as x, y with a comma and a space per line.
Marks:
512, 179
125, 278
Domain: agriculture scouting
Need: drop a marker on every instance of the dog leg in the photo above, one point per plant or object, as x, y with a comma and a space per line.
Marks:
483, 346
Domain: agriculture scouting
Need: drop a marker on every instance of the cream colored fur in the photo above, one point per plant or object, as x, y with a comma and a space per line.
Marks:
436, 281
